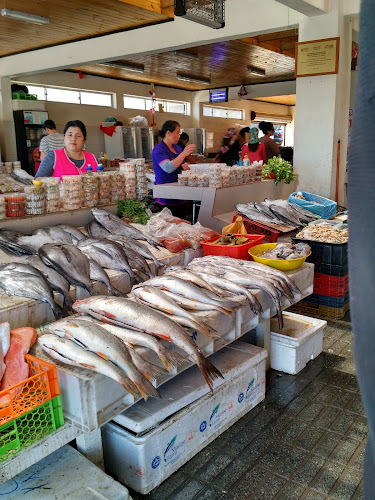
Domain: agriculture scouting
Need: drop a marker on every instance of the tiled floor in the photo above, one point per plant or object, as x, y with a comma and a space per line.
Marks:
305, 441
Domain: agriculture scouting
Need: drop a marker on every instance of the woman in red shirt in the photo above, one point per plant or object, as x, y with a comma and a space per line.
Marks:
255, 150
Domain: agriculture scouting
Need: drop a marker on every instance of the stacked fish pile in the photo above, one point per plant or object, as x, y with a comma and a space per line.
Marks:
58, 257
108, 347
279, 212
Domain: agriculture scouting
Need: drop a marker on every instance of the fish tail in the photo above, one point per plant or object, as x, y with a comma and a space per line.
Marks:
280, 318
170, 359
206, 332
209, 371
58, 311
147, 389
129, 386
151, 371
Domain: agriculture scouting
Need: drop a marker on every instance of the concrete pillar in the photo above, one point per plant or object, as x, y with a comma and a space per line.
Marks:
8, 147
322, 109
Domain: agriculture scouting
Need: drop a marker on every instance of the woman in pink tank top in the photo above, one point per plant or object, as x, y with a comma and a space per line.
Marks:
72, 159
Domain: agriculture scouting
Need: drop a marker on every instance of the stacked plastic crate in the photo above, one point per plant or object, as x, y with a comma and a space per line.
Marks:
330, 298
30, 410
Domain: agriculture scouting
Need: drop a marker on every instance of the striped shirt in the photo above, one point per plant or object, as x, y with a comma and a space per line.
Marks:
51, 141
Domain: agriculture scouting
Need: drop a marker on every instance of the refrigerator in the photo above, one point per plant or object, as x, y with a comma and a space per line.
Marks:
129, 142
197, 136
29, 131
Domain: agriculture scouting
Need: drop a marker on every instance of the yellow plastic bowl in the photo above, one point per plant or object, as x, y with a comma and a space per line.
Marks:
37, 183
283, 265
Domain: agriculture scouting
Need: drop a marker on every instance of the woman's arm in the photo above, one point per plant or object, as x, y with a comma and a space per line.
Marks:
47, 165
170, 166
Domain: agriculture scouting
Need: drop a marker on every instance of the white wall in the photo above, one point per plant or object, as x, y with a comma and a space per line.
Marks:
93, 116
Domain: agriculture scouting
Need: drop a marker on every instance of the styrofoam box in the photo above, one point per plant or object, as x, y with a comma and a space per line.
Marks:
64, 474
300, 341
142, 461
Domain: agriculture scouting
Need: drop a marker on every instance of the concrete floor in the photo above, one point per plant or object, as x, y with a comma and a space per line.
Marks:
305, 441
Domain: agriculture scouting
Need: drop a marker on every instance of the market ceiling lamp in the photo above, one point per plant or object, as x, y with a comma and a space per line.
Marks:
194, 79
256, 71
207, 12
24, 16
128, 67
183, 53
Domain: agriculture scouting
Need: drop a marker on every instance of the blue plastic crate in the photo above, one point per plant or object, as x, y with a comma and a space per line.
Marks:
325, 300
323, 207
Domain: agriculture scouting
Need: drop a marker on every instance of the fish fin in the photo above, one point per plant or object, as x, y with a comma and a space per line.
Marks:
147, 389
209, 371
90, 367
109, 315
164, 337
103, 356
167, 310
129, 386
170, 359
220, 309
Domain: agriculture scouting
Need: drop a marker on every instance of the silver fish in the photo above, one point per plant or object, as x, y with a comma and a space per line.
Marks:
74, 232
24, 280
68, 352
95, 230
189, 275
68, 261
155, 298
108, 254
127, 313
285, 215
254, 214
97, 273
193, 305
264, 209
9, 242
115, 225
148, 370
134, 338
55, 279
94, 338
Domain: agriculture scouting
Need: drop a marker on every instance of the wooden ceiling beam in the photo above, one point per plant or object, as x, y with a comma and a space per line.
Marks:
278, 35
152, 5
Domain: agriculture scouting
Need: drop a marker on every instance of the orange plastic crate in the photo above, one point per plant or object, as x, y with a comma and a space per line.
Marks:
236, 252
41, 386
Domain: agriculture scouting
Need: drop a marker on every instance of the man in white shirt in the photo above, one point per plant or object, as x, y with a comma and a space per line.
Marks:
53, 139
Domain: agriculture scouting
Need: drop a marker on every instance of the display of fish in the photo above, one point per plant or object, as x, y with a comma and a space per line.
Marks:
74, 232
148, 370
108, 254
191, 291
264, 209
9, 242
252, 213
68, 352
115, 225
125, 312
134, 338
23, 280
138, 247
97, 273
188, 275
58, 283
136, 261
155, 298
68, 261
285, 214
95, 230
93, 337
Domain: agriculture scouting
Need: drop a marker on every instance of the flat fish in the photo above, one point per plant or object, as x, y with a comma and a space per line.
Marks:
24, 280
68, 261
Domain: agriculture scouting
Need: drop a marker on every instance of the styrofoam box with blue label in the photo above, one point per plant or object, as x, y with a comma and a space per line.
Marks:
150, 441
300, 341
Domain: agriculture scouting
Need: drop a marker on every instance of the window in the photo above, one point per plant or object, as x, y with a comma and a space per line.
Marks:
72, 96
162, 105
219, 112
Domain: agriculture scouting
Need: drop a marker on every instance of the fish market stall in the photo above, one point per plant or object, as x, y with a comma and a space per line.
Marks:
214, 202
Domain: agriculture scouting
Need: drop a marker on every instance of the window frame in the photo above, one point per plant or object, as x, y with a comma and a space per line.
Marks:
206, 107
163, 102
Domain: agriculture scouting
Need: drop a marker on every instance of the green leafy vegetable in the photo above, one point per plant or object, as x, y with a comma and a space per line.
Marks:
133, 210
278, 169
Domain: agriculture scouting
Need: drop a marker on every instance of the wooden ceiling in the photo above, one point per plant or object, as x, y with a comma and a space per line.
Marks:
289, 100
75, 20
221, 63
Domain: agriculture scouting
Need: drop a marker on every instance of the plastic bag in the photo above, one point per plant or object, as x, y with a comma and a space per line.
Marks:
237, 227
138, 121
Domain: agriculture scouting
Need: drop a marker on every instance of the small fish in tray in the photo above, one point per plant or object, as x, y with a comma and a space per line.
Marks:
230, 240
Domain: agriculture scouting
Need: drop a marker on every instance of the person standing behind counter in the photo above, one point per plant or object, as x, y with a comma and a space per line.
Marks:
255, 150
53, 139
168, 161
72, 159
271, 146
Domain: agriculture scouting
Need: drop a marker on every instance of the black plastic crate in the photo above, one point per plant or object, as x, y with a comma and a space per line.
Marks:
326, 253
326, 300
331, 270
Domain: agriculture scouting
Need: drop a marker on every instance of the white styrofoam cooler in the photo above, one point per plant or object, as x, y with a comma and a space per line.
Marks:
300, 341
143, 461
63, 474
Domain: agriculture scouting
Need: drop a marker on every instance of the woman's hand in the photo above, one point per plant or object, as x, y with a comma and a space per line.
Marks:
185, 166
188, 149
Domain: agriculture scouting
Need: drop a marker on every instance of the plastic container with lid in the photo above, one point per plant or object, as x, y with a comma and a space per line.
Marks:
72, 191
90, 188
35, 199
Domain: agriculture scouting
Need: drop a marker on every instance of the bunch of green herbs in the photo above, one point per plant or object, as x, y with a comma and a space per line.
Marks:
281, 170
133, 210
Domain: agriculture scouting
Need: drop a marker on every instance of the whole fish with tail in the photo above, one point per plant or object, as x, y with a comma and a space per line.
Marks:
125, 312
68, 352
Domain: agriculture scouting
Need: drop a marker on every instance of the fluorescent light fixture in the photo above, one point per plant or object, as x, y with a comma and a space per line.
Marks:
128, 67
23, 16
194, 79
183, 53
257, 71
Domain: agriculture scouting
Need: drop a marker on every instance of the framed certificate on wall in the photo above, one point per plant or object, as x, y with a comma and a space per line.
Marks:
317, 57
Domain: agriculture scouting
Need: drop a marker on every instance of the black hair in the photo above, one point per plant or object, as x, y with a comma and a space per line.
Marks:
265, 127
252, 115
244, 130
49, 124
184, 136
253, 147
169, 126
286, 153
78, 124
